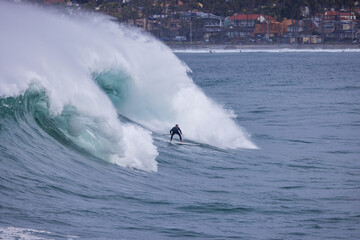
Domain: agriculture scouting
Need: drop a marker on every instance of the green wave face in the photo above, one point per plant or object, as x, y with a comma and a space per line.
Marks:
71, 128
116, 84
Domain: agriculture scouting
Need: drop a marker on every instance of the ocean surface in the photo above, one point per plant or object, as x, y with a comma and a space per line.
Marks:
85, 111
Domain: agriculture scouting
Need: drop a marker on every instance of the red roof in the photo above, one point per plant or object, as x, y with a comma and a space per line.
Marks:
331, 15
336, 13
249, 17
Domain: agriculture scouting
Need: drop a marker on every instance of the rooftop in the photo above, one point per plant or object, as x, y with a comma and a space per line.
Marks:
250, 17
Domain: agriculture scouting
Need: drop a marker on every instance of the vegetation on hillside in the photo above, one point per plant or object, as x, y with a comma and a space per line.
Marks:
279, 9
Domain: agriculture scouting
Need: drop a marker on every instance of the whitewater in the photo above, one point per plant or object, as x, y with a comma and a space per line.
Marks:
91, 70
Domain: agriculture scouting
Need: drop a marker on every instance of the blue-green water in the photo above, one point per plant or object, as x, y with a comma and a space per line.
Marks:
84, 150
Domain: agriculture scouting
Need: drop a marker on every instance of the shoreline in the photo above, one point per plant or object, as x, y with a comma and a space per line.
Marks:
263, 47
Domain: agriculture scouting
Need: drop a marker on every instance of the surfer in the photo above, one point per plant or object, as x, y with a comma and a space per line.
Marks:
176, 130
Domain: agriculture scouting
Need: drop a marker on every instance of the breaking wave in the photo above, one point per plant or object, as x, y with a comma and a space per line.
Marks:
74, 74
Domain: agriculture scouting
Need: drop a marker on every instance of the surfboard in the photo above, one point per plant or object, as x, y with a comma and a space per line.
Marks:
185, 143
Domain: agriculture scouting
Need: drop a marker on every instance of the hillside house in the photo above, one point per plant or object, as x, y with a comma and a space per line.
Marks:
269, 30
202, 25
249, 20
336, 15
243, 25
302, 32
338, 31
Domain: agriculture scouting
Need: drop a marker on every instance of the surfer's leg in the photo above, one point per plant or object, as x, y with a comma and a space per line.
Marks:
171, 137
180, 136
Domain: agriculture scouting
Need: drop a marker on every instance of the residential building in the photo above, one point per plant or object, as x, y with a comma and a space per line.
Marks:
249, 20
338, 31
243, 25
269, 30
302, 32
336, 15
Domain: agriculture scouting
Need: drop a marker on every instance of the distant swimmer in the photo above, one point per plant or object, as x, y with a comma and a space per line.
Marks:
176, 130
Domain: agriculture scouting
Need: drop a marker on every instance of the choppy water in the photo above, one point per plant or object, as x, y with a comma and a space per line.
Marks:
62, 176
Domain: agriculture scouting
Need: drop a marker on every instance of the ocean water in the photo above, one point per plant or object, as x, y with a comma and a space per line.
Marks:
85, 111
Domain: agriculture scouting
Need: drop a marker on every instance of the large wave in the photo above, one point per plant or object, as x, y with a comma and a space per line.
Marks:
89, 69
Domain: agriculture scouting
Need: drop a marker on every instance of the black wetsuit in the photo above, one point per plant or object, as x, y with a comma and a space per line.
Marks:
175, 130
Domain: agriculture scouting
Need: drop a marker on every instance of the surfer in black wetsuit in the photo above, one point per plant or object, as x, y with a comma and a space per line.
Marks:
176, 130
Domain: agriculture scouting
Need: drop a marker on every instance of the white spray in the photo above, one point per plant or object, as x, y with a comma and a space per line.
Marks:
60, 53
56, 53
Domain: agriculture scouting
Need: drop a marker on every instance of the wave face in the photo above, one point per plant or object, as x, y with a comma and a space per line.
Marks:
74, 73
